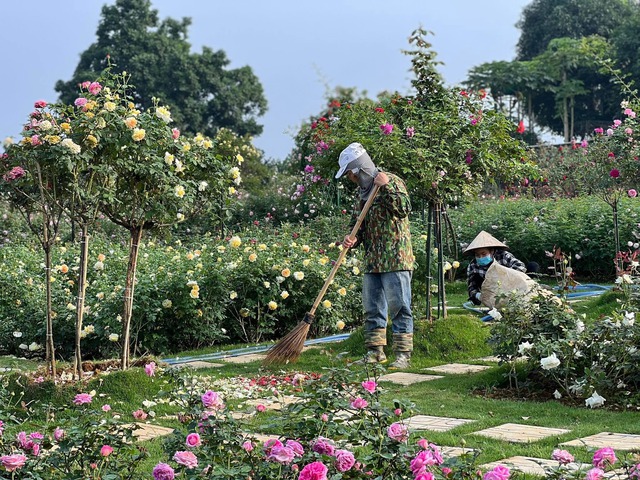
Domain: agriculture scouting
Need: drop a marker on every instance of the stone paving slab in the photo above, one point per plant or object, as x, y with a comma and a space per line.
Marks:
200, 364
407, 378
458, 368
147, 431
435, 424
514, 432
252, 357
617, 441
534, 466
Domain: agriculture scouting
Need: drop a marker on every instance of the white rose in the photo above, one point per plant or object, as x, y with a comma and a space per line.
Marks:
523, 347
595, 400
550, 362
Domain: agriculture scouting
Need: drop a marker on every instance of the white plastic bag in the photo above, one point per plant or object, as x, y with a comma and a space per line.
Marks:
501, 280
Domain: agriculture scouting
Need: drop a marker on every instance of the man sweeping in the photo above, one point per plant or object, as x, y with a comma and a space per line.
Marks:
388, 256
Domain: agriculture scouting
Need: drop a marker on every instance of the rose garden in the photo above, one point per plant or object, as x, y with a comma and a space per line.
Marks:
144, 276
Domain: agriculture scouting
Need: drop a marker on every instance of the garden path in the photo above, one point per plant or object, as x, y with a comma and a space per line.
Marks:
507, 432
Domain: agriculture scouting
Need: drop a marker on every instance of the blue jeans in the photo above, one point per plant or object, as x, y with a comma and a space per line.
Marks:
388, 295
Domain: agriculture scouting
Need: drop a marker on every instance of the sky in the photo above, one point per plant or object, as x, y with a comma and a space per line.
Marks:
298, 49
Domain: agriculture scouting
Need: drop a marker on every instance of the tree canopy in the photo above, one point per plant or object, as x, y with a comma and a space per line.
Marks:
544, 20
203, 94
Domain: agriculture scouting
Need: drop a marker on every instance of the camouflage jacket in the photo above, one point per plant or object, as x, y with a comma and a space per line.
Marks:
385, 233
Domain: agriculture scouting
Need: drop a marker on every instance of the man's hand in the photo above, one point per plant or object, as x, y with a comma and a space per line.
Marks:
381, 179
349, 242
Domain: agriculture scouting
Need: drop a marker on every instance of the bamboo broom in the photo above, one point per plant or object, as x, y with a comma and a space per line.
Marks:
289, 348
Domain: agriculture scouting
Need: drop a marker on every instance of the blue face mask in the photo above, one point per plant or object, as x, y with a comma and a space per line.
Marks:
484, 261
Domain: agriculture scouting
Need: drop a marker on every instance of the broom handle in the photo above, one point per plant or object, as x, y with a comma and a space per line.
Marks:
343, 253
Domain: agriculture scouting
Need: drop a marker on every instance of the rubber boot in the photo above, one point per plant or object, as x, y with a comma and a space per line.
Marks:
402, 346
375, 341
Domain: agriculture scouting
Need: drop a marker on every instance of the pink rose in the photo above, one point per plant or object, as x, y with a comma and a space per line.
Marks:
296, 447
632, 193
604, 457
13, 462
398, 432
386, 129
260, 407
344, 460
58, 434
150, 369
314, 471
369, 386
324, 417
35, 140
106, 407
562, 456
94, 88
359, 403
188, 459
446, 471
423, 443
162, 471
247, 446
634, 472
82, 398
106, 450
139, 414
594, 474
175, 133
80, 102
270, 444
397, 412
323, 446
281, 454
614, 173
425, 476
85, 84
498, 473
410, 132
40, 104
212, 400
193, 440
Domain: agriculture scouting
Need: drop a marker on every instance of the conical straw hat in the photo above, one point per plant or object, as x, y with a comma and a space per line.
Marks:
484, 240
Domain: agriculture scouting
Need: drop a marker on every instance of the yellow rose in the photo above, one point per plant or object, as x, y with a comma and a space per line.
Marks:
235, 241
272, 305
286, 273
284, 294
326, 304
131, 122
342, 291
339, 324
138, 134
253, 257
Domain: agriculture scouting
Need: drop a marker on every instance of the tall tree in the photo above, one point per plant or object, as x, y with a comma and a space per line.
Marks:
544, 20
199, 88
587, 89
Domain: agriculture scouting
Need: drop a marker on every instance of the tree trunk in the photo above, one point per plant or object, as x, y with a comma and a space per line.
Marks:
82, 286
134, 245
429, 279
50, 348
438, 241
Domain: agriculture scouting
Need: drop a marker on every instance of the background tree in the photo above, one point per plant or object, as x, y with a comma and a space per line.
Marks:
202, 93
543, 20
585, 86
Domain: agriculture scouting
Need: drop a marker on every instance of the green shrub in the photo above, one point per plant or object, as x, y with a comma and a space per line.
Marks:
581, 227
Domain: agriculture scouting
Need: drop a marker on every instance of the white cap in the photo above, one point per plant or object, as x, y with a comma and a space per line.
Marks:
348, 155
